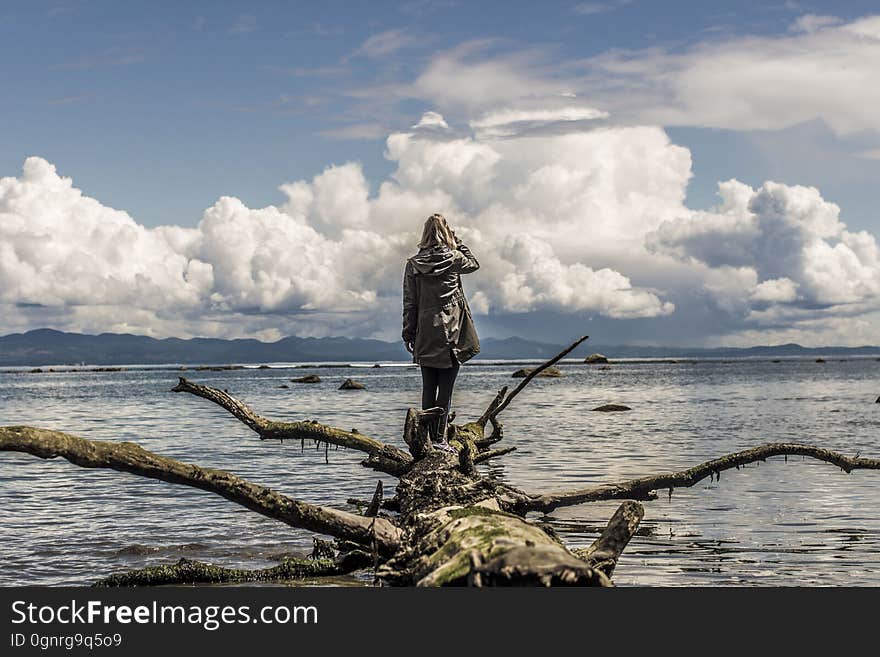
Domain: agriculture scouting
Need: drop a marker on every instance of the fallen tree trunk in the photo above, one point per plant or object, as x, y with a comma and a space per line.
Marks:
449, 525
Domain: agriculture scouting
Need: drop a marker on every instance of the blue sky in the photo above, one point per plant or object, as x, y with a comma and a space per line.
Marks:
159, 109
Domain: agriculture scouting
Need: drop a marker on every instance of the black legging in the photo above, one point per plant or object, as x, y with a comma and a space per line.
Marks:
437, 385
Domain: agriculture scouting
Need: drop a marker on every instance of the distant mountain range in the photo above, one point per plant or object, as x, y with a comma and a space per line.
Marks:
50, 347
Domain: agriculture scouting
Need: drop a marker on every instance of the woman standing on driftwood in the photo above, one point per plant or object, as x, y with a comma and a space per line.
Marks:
438, 329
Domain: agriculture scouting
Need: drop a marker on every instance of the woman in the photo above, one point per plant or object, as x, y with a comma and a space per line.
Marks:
437, 326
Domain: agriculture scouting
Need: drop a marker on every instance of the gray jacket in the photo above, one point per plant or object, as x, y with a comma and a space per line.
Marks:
436, 316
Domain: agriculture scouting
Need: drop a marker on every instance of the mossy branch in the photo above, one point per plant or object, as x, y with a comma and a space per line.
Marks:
134, 459
644, 487
383, 457
187, 571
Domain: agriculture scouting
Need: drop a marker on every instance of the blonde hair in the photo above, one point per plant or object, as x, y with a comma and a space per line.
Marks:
436, 233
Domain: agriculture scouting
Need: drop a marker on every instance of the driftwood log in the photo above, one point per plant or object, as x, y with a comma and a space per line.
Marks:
447, 524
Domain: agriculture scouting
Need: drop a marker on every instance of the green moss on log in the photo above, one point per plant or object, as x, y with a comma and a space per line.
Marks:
186, 571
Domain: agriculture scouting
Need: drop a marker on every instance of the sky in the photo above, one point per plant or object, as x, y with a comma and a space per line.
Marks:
676, 173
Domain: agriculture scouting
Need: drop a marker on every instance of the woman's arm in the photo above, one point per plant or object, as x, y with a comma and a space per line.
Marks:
465, 260
410, 304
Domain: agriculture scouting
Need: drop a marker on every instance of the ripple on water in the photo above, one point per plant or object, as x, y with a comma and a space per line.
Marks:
794, 522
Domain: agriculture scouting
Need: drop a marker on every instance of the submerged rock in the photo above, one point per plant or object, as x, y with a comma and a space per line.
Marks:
309, 378
820, 360
351, 384
551, 372
611, 408
596, 358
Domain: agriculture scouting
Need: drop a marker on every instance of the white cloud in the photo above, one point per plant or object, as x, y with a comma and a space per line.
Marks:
512, 122
827, 70
593, 8
823, 68
533, 211
386, 43
812, 22
431, 120
775, 290
586, 223
506, 117
467, 79
788, 243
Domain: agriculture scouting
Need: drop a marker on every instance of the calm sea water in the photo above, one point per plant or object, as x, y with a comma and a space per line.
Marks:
795, 522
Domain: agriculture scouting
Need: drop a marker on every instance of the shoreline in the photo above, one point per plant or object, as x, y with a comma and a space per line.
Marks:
187, 367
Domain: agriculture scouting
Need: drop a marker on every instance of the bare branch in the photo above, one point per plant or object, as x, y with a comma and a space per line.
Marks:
606, 550
644, 487
304, 430
490, 409
494, 453
535, 372
373, 510
132, 458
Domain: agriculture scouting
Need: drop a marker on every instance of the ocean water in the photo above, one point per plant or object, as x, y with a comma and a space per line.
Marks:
794, 522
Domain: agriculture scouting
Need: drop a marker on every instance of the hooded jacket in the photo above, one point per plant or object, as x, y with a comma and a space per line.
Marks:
436, 316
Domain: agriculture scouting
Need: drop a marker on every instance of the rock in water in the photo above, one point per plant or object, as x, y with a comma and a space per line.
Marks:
820, 360
308, 378
284, 385
596, 358
610, 408
878, 400
351, 384
550, 372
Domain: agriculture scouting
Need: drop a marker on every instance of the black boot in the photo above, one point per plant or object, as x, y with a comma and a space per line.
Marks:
439, 428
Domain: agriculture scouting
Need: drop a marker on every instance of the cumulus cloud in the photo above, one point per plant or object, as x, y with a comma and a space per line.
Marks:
588, 223
331, 249
792, 251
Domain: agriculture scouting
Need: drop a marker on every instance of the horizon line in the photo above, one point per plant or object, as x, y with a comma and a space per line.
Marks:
511, 337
